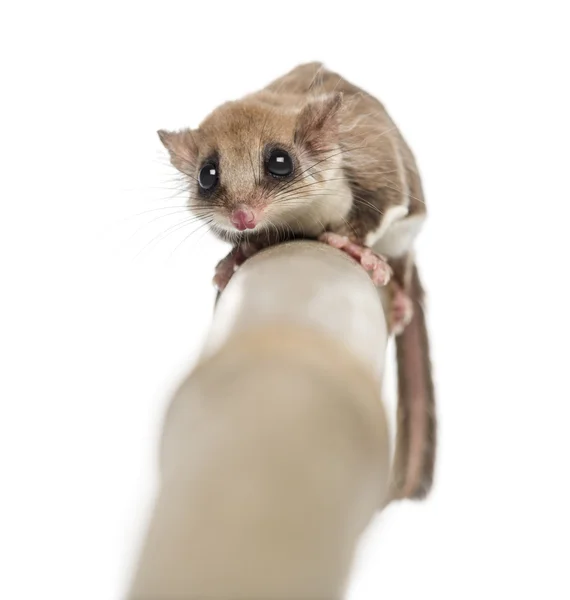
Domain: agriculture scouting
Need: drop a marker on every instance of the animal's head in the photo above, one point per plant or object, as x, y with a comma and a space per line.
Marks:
254, 165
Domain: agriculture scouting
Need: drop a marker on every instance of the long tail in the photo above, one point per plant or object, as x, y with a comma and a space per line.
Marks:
414, 462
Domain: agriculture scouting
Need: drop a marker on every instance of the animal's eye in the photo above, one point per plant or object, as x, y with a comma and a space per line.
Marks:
208, 176
279, 163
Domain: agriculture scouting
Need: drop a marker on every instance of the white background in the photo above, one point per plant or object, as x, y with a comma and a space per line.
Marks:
100, 320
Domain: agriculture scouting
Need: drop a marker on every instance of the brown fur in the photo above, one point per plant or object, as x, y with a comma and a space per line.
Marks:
351, 167
333, 130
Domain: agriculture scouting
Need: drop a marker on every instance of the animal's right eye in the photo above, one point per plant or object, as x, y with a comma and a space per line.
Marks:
208, 177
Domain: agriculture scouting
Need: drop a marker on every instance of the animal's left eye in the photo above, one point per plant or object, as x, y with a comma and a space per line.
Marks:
279, 163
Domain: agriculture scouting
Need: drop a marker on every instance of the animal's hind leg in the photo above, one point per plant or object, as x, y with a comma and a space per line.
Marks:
401, 308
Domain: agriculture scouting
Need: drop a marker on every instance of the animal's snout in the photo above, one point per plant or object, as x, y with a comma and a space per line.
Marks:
243, 218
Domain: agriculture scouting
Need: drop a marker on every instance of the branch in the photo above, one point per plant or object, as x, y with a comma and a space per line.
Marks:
275, 451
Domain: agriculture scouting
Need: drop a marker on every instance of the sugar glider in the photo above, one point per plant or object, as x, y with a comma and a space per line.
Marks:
313, 156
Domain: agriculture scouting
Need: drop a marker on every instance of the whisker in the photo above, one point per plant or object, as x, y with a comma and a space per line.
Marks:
359, 200
308, 185
194, 218
396, 189
144, 212
295, 179
252, 168
378, 172
166, 233
206, 223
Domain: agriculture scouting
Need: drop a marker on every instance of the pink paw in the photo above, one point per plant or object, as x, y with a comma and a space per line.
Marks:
228, 265
379, 269
224, 271
401, 310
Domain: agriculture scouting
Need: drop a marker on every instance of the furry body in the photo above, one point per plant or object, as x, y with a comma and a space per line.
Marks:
352, 175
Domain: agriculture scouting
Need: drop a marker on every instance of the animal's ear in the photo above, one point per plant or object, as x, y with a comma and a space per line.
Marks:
318, 123
182, 147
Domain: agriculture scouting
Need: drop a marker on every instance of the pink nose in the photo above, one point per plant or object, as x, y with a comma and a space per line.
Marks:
243, 218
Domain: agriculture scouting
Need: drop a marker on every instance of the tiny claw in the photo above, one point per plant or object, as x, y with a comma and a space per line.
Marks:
381, 273
374, 263
401, 310
335, 240
231, 263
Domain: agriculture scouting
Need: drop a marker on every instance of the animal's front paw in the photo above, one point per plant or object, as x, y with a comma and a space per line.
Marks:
228, 265
224, 271
375, 264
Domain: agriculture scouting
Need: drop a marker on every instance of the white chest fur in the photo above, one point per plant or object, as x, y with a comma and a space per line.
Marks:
320, 211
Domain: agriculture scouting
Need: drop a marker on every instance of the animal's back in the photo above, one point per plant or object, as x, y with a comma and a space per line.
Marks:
312, 79
375, 150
